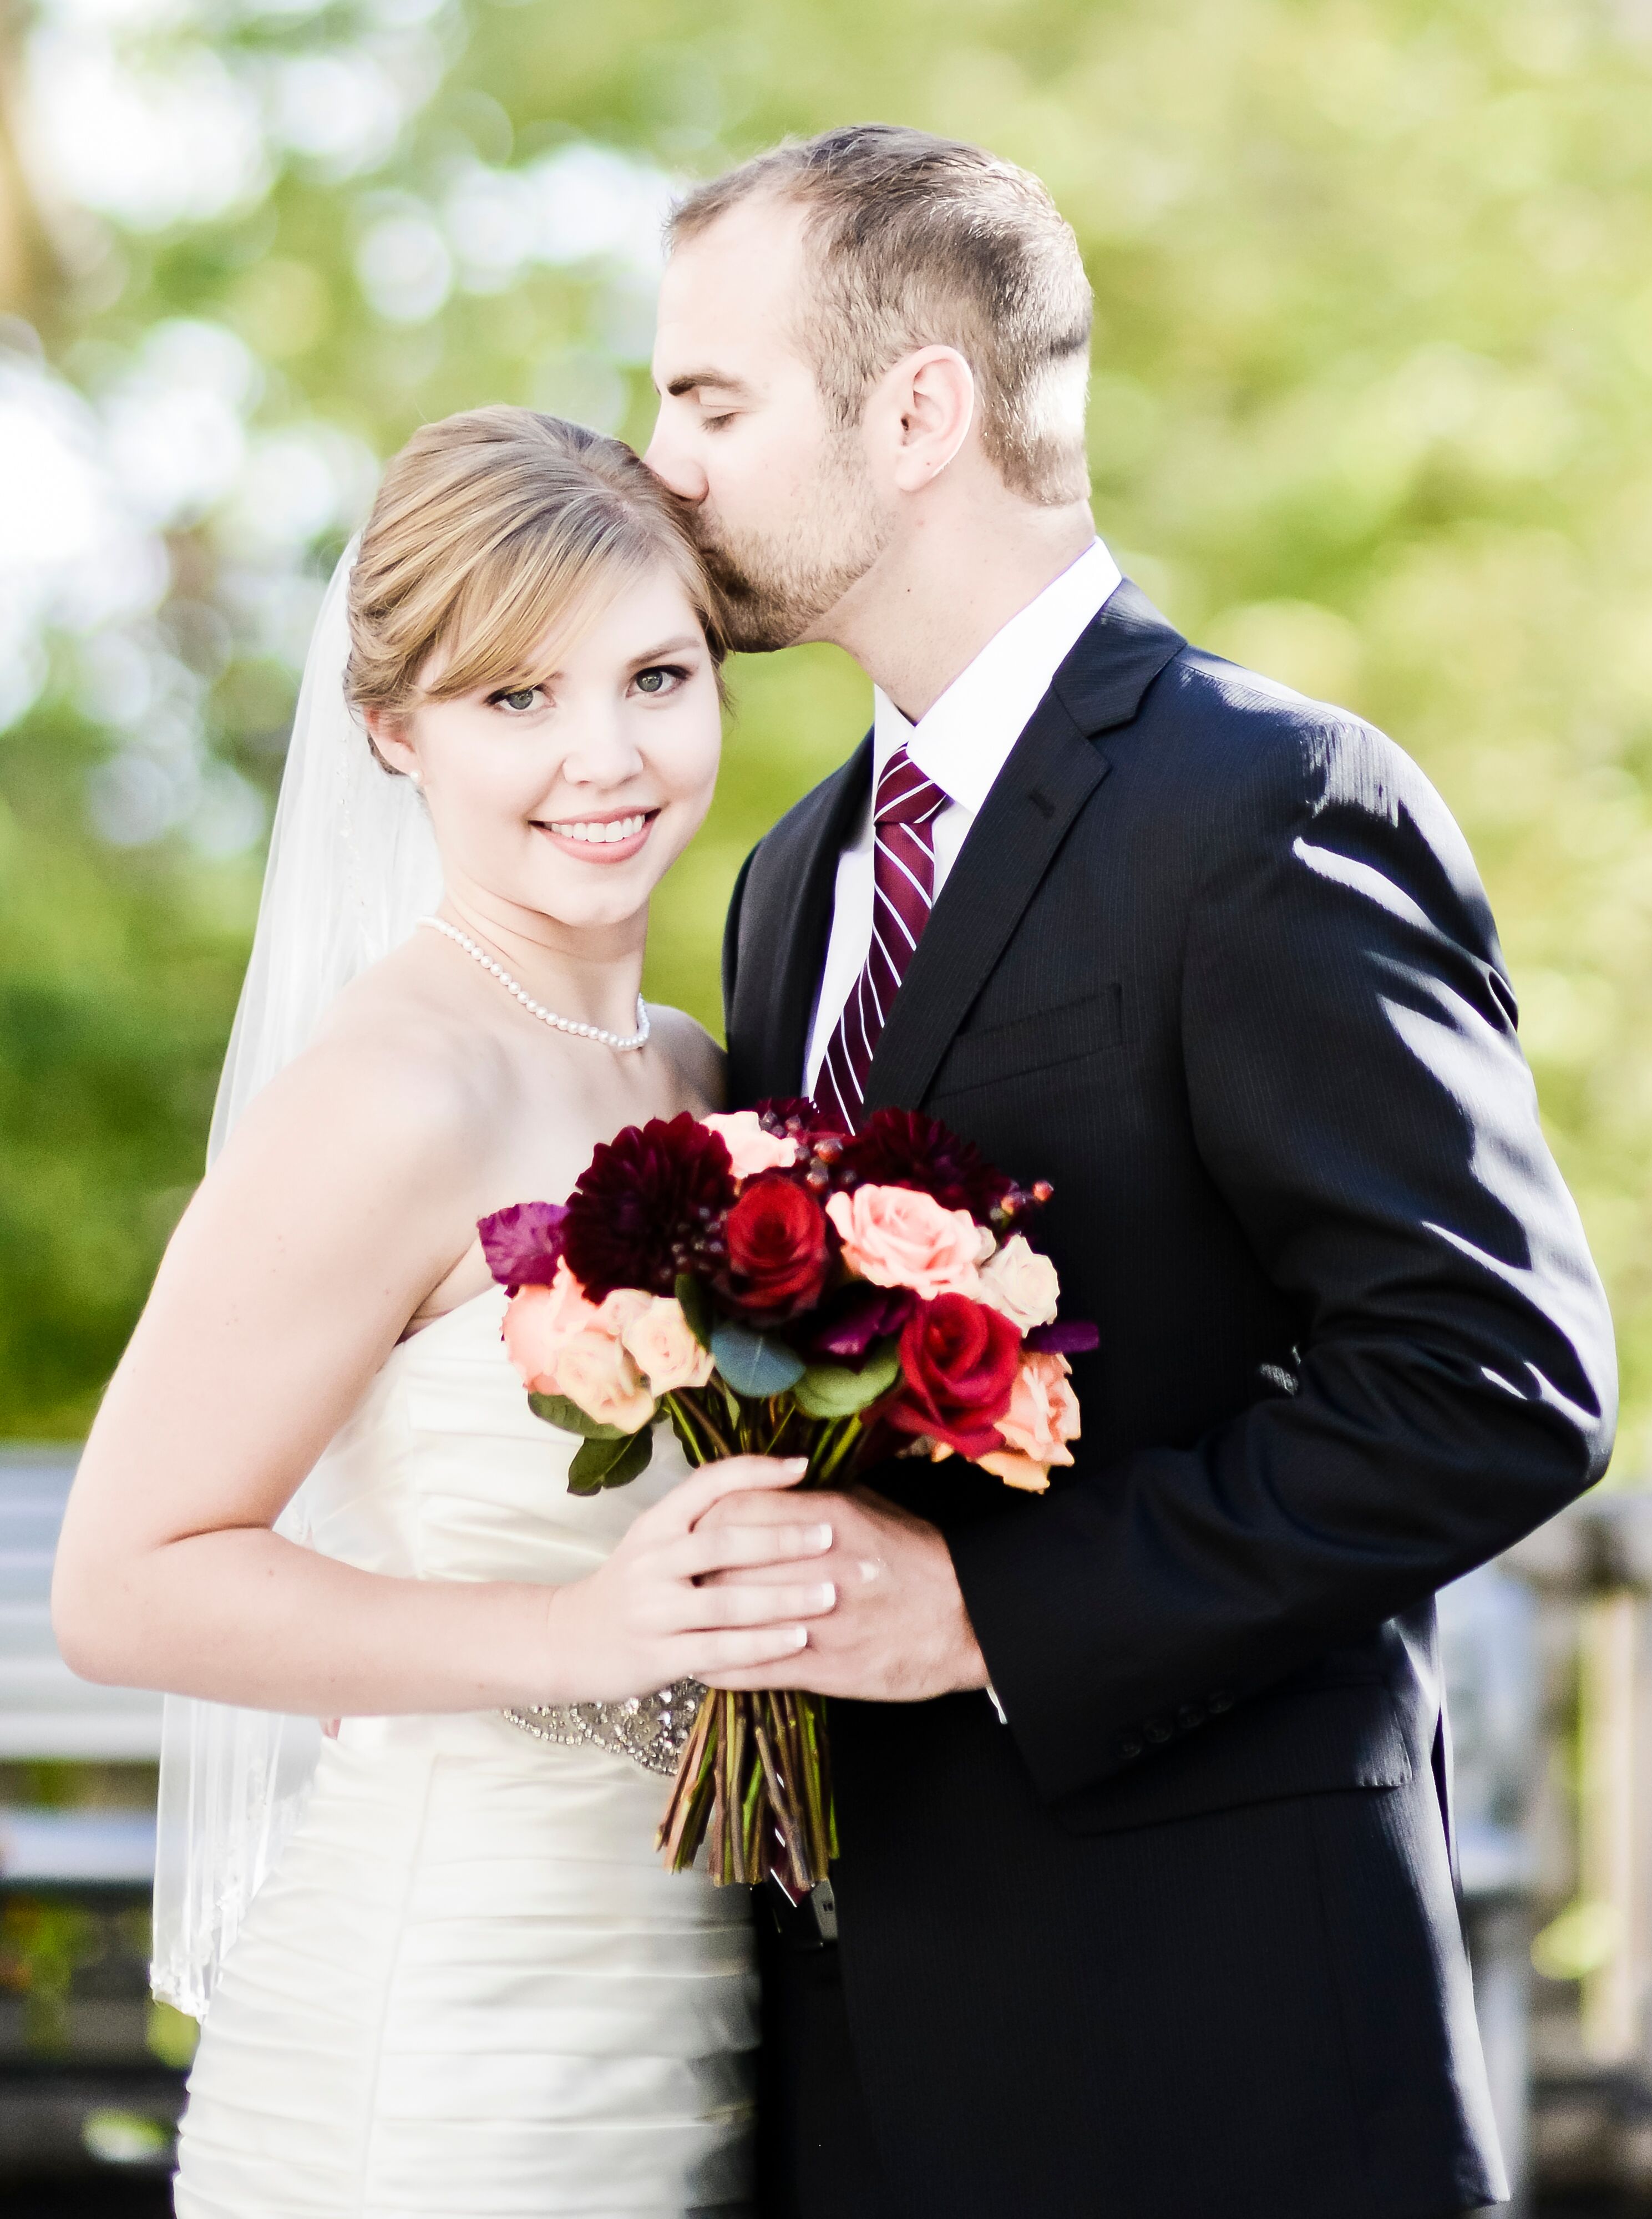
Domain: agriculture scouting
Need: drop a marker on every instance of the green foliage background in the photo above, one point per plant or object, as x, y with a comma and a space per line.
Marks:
1373, 369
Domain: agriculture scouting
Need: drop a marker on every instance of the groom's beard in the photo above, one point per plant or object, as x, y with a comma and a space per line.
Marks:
777, 586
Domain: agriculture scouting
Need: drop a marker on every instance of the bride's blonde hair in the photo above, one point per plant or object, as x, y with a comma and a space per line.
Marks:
494, 533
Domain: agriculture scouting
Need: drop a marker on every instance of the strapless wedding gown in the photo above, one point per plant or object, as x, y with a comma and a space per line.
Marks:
469, 1989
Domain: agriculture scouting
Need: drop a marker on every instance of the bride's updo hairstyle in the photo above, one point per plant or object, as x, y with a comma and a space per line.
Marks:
494, 533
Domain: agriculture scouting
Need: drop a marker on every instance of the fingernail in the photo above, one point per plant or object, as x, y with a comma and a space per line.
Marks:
826, 1596
818, 1537
799, 1637
796, 1464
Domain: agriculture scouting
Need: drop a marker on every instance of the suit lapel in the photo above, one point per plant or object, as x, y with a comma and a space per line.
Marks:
1052, 770
797, 923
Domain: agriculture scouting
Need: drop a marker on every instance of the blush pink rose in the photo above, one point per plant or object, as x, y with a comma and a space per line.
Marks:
750, 1149
538, 1317
594, 1371
896, 1237
561, 1343
620, 1311
537, 1323
1021, 1283
1043, 1418
661, 1343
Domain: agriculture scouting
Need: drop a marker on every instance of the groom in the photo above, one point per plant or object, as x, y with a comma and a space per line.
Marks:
1146, 1906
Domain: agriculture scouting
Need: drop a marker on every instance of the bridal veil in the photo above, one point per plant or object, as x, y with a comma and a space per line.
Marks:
352, 867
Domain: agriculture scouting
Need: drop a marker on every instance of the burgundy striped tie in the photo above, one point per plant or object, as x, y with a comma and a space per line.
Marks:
903, 887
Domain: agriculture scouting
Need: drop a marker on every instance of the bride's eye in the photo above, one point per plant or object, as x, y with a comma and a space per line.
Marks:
659, 678
518, 700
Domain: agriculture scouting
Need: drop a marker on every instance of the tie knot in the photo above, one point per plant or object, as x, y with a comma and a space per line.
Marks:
905, 795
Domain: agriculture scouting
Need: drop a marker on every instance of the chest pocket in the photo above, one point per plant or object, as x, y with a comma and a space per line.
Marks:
1061, 1034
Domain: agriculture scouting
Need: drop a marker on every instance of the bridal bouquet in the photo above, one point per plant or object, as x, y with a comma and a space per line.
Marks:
769, 1285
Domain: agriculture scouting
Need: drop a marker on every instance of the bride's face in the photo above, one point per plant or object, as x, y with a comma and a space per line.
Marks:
572, 797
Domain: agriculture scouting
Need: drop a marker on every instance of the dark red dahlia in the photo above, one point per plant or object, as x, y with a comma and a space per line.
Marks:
903, 1147
648, 1205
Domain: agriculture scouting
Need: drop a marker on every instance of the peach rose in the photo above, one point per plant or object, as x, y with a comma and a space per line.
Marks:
537, 1323
1016, 1470
1021, 1283
1043, 1418
896, 1237
592, 1369
750, 1149
562, 1343
661, 1343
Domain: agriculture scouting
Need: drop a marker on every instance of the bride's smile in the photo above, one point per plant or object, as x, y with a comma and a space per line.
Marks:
613, 839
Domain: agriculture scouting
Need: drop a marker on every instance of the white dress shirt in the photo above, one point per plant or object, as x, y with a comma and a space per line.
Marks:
962, 744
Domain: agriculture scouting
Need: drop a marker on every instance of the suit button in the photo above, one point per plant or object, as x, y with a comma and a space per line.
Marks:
1157, 1730
1189, 1716
1221, 1701
1129, 1749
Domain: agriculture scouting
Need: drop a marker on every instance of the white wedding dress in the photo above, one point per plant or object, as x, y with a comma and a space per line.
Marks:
469, 1989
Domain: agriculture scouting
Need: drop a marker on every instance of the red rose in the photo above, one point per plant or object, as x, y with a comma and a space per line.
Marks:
777, 1250
960, 1360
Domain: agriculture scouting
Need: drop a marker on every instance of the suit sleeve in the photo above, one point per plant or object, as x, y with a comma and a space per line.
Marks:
1359, 1098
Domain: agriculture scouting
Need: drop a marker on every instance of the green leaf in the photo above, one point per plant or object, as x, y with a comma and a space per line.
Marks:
755, 1364
614, 1463
557, 1410
696, 1305
832, 1391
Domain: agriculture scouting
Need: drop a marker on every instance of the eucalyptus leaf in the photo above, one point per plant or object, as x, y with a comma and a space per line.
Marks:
557, 1410
696, 1306
602, 1463
756, 1364
833, 1390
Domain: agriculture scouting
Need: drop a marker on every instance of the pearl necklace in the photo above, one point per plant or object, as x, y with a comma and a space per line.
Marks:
624, 1042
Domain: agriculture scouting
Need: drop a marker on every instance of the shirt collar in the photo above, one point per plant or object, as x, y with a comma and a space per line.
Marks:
964, 740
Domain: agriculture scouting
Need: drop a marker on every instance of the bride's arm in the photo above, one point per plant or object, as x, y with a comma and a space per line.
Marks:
326, 1221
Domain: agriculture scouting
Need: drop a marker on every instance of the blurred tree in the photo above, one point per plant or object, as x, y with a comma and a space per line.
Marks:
17, 235
1373, 364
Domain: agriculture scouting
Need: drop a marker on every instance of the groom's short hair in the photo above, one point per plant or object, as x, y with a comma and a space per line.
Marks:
920, 241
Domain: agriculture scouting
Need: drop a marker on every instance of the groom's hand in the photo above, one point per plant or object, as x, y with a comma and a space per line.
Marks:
899, 1632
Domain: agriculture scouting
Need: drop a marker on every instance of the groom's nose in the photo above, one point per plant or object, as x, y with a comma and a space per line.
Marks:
666, 457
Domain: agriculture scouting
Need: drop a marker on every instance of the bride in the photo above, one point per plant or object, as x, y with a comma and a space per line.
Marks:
315, 1489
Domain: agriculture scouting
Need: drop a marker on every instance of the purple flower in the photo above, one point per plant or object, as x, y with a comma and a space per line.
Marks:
524, 1244
1066, 1337
868, 1313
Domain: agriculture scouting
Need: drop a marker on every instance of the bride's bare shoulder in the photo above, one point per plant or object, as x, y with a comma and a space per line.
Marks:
395, 1071
698, 1061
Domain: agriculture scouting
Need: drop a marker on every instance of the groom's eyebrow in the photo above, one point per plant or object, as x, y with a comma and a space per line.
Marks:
721, 381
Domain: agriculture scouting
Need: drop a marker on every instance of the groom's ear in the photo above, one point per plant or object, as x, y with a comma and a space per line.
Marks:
929, 407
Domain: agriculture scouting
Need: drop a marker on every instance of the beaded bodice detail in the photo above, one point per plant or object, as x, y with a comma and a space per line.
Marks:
653, 1730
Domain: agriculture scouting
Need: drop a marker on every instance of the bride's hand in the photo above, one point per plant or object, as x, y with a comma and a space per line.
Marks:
647, 1618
